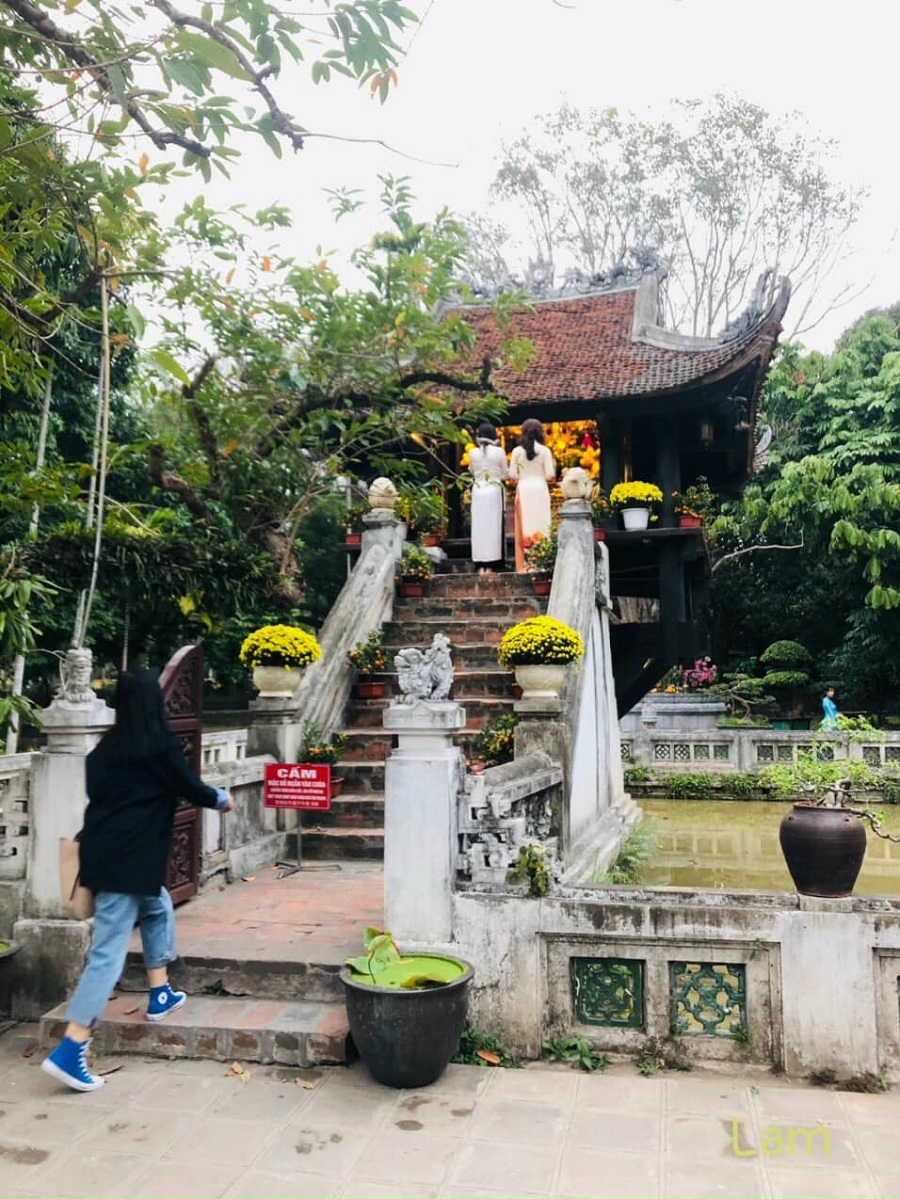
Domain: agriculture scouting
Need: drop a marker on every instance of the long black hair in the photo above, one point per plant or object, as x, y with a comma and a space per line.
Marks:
532, 431
142, 726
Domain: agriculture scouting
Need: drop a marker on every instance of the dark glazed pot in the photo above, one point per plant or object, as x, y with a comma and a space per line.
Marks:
407, 1038
824, 849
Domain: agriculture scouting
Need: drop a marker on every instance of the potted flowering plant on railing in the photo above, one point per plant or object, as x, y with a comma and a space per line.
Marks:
317, 750
601, 513
636, 501
277, 653
354, 523
539, 649
368, 657
540, 558
695, 504
414, 570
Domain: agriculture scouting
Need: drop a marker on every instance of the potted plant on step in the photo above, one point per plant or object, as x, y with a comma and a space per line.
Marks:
540, 559
414, 570
539, 649
695, 504
406, 1013
277, 654
637, 501
368, 657
495, 744
318, 750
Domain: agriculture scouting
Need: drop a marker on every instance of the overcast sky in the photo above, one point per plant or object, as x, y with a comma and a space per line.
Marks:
478, 70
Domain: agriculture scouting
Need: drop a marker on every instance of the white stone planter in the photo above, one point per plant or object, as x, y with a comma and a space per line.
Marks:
276, 680
540, 680
635, 518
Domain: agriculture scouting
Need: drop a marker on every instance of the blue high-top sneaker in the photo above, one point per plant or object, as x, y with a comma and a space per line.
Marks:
162, 1001
68, 1063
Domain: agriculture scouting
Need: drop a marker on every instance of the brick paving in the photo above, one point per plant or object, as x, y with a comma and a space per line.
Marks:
194, 1129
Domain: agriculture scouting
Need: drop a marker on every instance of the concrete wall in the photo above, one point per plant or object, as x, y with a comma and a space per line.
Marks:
747, 749
821, 976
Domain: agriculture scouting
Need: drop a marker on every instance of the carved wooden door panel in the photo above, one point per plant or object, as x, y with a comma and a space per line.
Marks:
182, 688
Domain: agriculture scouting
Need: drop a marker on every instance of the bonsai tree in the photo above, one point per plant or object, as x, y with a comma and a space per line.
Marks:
697, 501
787, 674
368, 655
315, 747
415, 563
540, 554
494, 744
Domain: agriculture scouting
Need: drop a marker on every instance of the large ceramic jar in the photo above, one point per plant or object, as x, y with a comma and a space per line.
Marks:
274, 681
824, 849
540, 680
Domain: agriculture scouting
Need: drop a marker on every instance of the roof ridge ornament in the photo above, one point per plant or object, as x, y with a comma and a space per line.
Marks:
769, 301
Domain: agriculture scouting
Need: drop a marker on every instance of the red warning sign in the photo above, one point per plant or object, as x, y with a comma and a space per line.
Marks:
305, 785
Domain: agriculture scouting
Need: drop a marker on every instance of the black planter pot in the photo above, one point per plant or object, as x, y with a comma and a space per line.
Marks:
824, 849
407, 1037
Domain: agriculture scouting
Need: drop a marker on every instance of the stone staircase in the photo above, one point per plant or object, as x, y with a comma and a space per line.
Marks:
473, 611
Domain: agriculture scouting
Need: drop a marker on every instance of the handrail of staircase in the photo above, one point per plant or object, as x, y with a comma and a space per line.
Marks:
364, 603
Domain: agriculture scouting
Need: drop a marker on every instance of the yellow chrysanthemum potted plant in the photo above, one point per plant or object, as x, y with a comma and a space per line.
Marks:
277, 655
539, 649
636, 501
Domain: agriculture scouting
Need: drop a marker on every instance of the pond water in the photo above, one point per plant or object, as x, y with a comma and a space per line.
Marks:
734, 845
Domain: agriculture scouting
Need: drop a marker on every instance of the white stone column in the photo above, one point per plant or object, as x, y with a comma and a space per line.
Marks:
53, 943
422, 779
58, 793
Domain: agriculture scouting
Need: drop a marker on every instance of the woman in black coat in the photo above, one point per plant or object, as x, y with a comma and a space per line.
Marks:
135, 778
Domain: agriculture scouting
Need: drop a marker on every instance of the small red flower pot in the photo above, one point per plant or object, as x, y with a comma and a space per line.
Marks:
365, 689
336, 784
689, 522
353, 539
599, 534
410, 590
542, 586
431, 539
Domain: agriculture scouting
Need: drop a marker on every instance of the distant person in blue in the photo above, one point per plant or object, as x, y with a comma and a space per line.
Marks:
829, 708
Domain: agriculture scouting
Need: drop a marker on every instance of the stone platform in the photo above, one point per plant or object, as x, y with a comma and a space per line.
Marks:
260, 960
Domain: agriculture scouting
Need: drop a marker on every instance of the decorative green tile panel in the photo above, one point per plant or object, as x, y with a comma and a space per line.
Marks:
721, 753
785, 753
701, 753
708, 999
765, 753
609, 991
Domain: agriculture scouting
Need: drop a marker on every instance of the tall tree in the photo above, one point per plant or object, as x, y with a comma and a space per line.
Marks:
718, 193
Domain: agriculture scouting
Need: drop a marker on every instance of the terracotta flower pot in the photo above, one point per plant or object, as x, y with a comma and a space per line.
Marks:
353, 539
431, 539
410, 589
367, 689
336, 784
599, 534
689, 522
542, 584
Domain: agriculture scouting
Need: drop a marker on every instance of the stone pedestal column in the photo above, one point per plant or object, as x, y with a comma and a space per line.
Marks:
382, 527
422, 779
53, 944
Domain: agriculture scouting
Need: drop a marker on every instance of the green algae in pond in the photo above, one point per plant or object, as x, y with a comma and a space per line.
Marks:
735, 846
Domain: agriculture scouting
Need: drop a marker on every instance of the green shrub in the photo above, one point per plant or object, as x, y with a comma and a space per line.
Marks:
634, 853
786, 678
786, 654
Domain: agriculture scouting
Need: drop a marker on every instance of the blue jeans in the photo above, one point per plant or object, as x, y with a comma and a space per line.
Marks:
115, 915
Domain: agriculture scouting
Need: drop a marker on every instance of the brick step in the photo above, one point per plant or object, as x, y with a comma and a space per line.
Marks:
205, 976
373, 745
469, 689
420, 633
478, 608
468, 583
349, 812
341, 844
221, 1029
362, 778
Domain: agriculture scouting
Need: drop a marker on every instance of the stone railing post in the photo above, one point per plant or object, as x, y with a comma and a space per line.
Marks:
422, 779
53, 944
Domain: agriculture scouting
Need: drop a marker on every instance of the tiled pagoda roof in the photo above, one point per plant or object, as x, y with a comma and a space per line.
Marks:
601, 346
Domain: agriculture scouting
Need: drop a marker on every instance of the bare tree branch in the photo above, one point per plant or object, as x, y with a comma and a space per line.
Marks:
752, 549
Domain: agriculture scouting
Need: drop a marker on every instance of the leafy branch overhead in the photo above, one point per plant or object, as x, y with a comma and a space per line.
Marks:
163, 68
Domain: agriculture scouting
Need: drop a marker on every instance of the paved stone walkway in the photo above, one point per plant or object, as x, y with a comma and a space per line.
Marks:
191, 1130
